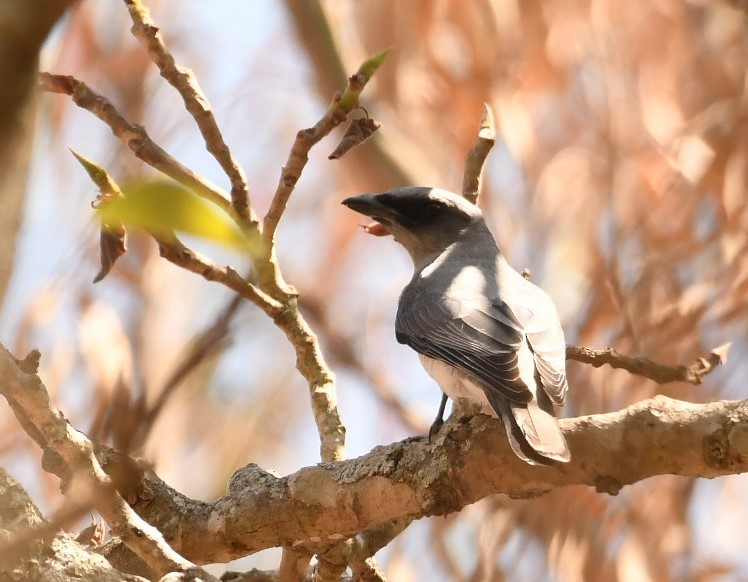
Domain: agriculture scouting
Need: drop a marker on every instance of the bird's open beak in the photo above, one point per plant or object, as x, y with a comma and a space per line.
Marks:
369, 205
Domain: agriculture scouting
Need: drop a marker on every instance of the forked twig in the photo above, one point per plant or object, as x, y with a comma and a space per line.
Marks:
338, 112
184, 81
134, 136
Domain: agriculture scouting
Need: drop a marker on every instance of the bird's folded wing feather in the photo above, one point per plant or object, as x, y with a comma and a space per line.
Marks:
481, 339
539, 320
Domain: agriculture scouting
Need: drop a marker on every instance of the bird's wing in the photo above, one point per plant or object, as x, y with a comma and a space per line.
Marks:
550, 361
538, 318
479, 338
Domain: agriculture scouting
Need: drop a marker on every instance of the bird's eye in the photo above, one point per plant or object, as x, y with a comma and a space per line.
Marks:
432, 208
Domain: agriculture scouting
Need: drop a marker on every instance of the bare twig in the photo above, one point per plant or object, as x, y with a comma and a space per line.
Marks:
309, 359
274, 297
341, 349
645, 367
277, 299
316, 35
184, 81
179, 254
338, 111
85, 480
135, 137
297, 159
285, 314
320, 379
476, 157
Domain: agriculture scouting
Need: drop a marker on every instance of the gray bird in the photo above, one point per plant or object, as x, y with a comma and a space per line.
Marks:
481, 330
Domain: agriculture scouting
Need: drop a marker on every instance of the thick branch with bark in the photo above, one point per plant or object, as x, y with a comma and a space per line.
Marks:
469, 459
83, 477
37, 548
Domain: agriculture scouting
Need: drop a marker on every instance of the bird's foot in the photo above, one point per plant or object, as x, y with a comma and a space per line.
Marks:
439, 420
436, 426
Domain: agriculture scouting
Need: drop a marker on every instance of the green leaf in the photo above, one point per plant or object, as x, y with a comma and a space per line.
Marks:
98, 175
112, 234
370, 65
162, 208
349, 99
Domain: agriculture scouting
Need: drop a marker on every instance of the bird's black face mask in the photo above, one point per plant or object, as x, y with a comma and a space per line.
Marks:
423, 214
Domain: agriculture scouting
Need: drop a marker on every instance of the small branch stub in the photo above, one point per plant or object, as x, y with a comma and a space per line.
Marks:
476, 157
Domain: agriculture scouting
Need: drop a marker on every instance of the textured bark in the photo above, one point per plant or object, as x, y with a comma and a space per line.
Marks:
58, 558
469, 460
71, 455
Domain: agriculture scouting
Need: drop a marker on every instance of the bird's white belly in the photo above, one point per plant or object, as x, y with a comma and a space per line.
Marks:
455, 384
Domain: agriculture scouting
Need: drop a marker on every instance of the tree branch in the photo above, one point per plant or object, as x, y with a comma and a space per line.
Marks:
274, 297
309, 359
316, 36
476, 157
24, 539
184, 81
342, 351
294, 564
645, 367
177, 253
469, 460
368, 543
24, 555
338, 111
135, 137
84, 480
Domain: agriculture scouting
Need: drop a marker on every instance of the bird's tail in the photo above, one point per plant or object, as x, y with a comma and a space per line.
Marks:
533, 430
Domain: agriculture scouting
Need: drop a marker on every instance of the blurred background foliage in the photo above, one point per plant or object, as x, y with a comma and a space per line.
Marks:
619, 179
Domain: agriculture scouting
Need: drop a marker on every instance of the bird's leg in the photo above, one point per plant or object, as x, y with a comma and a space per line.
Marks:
439, 420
